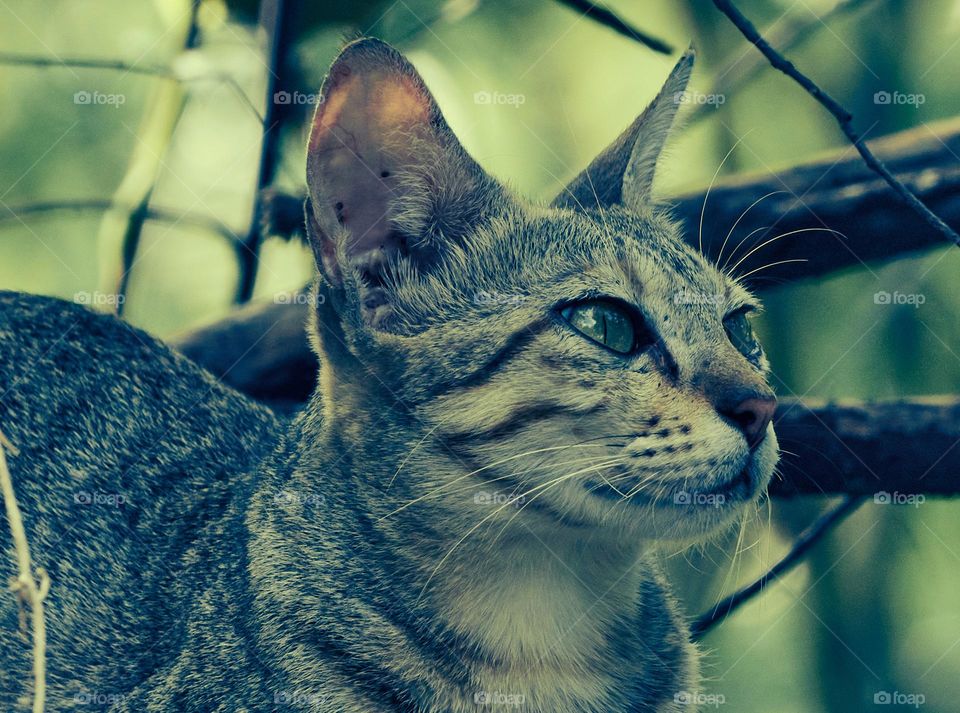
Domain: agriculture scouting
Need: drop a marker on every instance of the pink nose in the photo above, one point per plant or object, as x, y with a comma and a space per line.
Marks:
752, 416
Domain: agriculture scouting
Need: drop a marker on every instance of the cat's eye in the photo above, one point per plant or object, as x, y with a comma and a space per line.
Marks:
607, 323
740, 332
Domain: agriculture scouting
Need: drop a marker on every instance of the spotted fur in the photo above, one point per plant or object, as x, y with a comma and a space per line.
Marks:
468, 513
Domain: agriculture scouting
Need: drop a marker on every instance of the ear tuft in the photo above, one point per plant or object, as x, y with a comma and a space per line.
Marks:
623, 173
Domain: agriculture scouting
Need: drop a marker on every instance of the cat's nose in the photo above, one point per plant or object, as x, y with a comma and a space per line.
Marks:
752, 416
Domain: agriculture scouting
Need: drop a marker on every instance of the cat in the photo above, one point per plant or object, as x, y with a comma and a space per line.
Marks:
519, 406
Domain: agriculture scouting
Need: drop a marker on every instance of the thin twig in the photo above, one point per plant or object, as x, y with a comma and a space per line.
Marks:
167, 215
139, 215
807, 539
737, 73
22, 60
605, 17
275, 19
31, 588
844, 118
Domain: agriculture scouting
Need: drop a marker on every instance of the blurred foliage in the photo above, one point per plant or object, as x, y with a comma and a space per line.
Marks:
875, 608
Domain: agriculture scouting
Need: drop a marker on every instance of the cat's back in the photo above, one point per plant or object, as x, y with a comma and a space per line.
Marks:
127, 453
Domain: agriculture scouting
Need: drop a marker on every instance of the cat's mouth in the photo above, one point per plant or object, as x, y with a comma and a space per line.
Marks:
679, 494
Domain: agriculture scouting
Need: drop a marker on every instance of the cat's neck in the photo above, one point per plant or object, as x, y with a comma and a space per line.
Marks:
524, 605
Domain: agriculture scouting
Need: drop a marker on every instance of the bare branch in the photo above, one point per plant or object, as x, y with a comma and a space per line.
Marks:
607, 18
843, 117
31, 587
275, 20
167, 215
786, 34
807, 539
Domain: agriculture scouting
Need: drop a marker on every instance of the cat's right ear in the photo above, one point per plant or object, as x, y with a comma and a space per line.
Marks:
390, 185
623, 173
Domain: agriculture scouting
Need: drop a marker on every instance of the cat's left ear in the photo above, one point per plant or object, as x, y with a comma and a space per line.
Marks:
623, 173
390, 185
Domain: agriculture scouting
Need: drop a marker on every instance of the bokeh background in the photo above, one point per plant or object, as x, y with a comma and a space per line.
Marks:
875, 607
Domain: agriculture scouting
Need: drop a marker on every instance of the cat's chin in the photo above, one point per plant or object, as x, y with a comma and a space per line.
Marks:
687, 510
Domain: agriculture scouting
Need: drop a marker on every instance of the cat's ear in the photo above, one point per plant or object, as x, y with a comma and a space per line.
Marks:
623, 173
389, 182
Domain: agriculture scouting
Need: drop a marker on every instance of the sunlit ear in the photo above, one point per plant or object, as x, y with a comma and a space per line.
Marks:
623, 173
389, 183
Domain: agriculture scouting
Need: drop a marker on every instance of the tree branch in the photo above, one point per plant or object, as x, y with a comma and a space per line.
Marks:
607, 18
807, 539
843, 117
786, 34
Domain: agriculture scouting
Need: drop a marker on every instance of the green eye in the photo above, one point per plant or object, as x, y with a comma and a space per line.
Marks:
603, 322
741, 335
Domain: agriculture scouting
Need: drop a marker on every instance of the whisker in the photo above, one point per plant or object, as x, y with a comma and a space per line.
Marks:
703, 209
583, 444
772, 264
784, 235
541, 488
742, 216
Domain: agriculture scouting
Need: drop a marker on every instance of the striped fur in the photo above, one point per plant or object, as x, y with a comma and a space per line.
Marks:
468, 514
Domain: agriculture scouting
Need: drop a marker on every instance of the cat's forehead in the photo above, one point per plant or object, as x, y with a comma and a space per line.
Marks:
637, 256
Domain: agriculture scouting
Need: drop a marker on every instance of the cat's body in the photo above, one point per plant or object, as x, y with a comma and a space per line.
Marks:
507, 428
208, 581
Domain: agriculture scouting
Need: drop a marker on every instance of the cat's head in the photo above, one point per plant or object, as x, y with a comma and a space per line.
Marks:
579, 356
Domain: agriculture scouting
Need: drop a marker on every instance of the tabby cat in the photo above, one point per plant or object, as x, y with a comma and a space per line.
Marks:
519, 405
